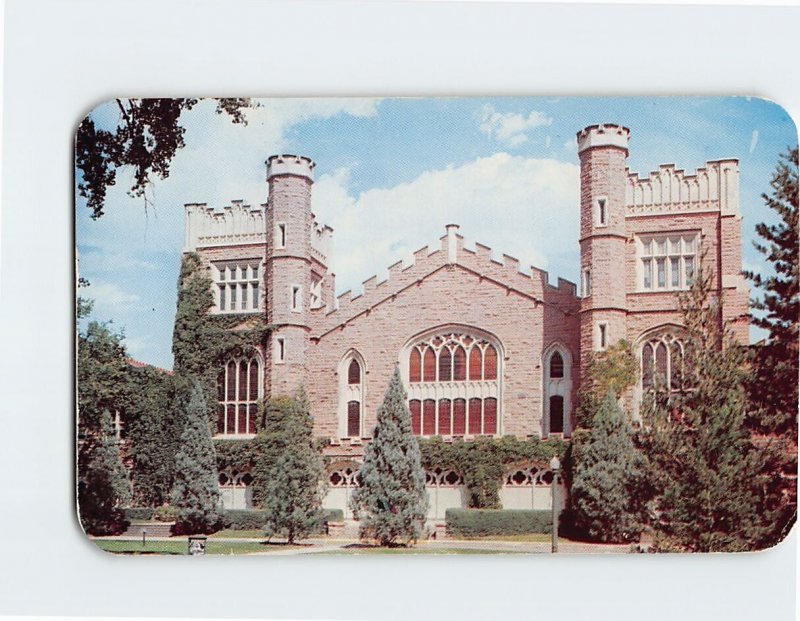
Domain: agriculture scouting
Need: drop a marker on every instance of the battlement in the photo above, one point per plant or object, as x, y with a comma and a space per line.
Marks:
236, 224
603, 135
451, 251
713, 187
296, 165
321, 235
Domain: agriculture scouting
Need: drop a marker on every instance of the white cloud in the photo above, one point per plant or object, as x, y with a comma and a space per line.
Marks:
510, 128
527, 208
108, 295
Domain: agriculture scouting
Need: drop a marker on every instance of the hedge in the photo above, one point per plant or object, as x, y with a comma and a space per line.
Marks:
137, 514
483, 522
254, 519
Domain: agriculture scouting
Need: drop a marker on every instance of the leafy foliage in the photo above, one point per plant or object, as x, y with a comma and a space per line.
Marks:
153, 425
391, 501
708, 473
612, 371
102, 371
103, 486
147, 137
608, 478
200, 341
289, 470
483, 463
773, 389
195, 492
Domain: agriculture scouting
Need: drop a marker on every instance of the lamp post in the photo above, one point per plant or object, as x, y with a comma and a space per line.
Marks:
555, 466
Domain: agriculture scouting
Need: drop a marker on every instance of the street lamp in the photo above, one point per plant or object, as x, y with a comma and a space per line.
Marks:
555, 466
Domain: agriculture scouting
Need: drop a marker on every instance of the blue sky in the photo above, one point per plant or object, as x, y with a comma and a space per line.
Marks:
392, 173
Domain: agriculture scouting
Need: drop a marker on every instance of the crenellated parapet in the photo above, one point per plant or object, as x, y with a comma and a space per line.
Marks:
321, 235
451, 254
236, 224
669, 190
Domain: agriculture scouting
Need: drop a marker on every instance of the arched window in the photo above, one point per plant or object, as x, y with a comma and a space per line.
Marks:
351, 395
663, 363
557, 392
453, 383
238, 391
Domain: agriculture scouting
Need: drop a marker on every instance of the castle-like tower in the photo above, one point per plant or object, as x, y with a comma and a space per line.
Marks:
603, 150
287, 271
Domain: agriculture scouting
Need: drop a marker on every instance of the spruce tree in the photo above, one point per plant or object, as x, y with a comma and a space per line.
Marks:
103, 486
289, 471
391, 501
607, 492
708, 473
195, 492
773, 390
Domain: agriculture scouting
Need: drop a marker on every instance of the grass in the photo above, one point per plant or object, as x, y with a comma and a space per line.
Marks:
255, 533
360, 548
119, 546
524, 538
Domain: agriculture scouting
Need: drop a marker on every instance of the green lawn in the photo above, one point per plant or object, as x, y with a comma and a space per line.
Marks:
238, 534
526, 538
419, 549
180, 546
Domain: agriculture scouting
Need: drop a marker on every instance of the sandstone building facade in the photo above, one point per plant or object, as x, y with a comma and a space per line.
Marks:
483, 348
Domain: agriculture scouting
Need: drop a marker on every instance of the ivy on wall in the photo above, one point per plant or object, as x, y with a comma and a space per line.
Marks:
201, 342
483, 463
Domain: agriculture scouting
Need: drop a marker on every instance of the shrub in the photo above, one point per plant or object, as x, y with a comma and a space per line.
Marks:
165, 513
244, 519
137, 514
484, 522
255, 519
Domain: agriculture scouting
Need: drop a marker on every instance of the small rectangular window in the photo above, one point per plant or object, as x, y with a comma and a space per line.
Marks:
602, 334
661, 267
647, 273
689, 270
222, 300
587, 282
244, 297
296, 298
601, 211
254, 297
675, 271
280, 349
280, 236
233, 297
222, 271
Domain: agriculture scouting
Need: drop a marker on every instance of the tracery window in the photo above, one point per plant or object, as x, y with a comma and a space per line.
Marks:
351, 395
234, 488
238, 391
663, 363
454, 385
667, 262
236, 286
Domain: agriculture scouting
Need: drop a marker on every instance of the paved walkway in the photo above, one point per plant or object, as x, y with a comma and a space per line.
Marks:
328, 545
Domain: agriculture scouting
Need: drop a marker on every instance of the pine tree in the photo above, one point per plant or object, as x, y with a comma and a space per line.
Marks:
612, 371
774, 387
708, 473
608, 479
391, 501
195, 492
103, 486
289, 470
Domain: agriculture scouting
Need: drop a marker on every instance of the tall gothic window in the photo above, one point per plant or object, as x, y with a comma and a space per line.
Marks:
454, 385
351, 395
663, 363
557, 393
238, 391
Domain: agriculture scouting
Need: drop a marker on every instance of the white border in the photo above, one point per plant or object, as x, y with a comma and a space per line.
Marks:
64, 57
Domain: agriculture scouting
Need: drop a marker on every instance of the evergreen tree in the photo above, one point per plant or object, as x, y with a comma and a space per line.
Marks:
608, 479
773, 390
391, 501
103, 486
708, 473
289, 470
195, 492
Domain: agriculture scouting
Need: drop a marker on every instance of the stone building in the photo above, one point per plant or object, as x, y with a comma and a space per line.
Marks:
483, 348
